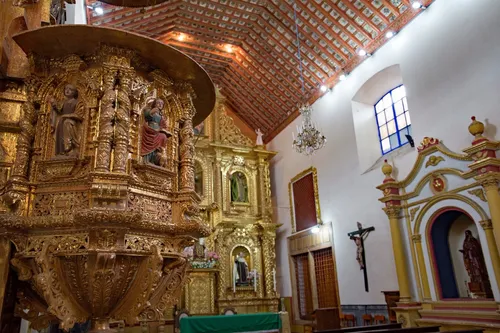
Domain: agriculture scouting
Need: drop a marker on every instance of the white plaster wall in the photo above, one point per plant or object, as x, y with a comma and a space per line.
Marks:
456, 239
76, 13
449, 64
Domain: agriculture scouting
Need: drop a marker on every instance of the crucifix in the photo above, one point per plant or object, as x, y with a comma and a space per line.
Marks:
358, 236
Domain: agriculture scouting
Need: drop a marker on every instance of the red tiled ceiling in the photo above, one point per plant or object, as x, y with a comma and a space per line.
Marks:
260, 75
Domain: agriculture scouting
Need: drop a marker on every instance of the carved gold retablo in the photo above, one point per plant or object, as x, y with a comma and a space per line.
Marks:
101, 201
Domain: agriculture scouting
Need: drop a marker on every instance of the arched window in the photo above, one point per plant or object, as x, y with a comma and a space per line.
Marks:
393, 119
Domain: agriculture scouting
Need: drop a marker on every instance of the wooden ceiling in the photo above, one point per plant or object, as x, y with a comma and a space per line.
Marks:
249, 47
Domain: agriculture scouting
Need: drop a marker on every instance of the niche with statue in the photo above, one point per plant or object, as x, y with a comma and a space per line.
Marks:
242, 266
459, 260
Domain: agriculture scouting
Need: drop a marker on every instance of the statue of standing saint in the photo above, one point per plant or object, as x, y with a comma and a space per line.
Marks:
476, 268
239, 187
259, 141
64, 122
241, 270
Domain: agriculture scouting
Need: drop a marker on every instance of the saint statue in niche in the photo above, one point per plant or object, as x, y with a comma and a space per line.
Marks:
198, 179
241, 270
199, 249
476, 268
154, 134
239, 187
65, 122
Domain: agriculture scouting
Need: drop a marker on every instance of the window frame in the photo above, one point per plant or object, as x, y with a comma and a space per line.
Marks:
395, 121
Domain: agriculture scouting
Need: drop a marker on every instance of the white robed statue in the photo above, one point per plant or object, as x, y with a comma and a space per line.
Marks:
240, 270
259, 141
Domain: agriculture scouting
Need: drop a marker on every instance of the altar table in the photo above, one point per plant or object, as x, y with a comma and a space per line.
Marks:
256, 322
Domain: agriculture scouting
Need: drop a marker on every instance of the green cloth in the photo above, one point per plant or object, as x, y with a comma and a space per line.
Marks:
231, 324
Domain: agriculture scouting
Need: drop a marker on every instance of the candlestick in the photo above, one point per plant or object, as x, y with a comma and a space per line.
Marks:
234, 285
255, 280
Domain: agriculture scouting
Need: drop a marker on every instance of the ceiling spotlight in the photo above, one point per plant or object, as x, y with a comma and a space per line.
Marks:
342, 77
389, 34
362, 52
181, 37
323, 88
416, 5
99, 10
229, 48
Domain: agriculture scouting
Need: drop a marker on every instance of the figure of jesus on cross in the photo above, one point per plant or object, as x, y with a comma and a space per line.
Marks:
358, 236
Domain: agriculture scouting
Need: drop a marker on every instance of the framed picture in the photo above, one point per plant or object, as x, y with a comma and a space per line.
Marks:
304, 200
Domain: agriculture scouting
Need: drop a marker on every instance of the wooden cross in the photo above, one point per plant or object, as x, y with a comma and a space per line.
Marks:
360, 235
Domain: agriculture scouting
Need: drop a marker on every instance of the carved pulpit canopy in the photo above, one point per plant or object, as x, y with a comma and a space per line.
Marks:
58, 41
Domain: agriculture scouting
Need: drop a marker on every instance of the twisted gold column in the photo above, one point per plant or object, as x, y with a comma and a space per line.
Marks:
417, 240
399, 250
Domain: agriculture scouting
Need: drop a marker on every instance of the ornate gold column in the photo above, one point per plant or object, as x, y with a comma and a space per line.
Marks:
399, 250
122, 122
186, 148
417, 240
4, 268
492, 248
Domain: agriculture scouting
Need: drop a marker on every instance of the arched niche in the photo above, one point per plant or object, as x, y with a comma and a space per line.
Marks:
238, 187
457, 256
243, 252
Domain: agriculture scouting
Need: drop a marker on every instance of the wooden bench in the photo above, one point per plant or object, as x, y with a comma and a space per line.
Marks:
361, 328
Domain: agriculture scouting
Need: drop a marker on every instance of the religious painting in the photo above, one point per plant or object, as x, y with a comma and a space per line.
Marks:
304, 200
239, 187
241, 261
198, 179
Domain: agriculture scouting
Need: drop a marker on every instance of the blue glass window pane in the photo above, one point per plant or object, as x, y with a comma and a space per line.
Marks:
394, 141
381, 118
383, 132
402, 136
398, 107
386, 145
408, 121
405, 103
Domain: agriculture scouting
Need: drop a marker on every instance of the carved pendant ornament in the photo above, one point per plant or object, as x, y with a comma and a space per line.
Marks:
101, 200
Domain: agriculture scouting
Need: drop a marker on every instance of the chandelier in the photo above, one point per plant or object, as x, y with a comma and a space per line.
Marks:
309, 138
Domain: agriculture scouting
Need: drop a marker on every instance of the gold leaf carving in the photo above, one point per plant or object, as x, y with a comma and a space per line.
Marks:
478, 192
434, 160
413, 212
230, 134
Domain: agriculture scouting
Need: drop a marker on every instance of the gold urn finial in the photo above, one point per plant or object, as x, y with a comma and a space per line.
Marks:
387, 170
476, 128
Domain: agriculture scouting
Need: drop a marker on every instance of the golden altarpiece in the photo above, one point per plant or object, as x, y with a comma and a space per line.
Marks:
97, 191
232, 178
